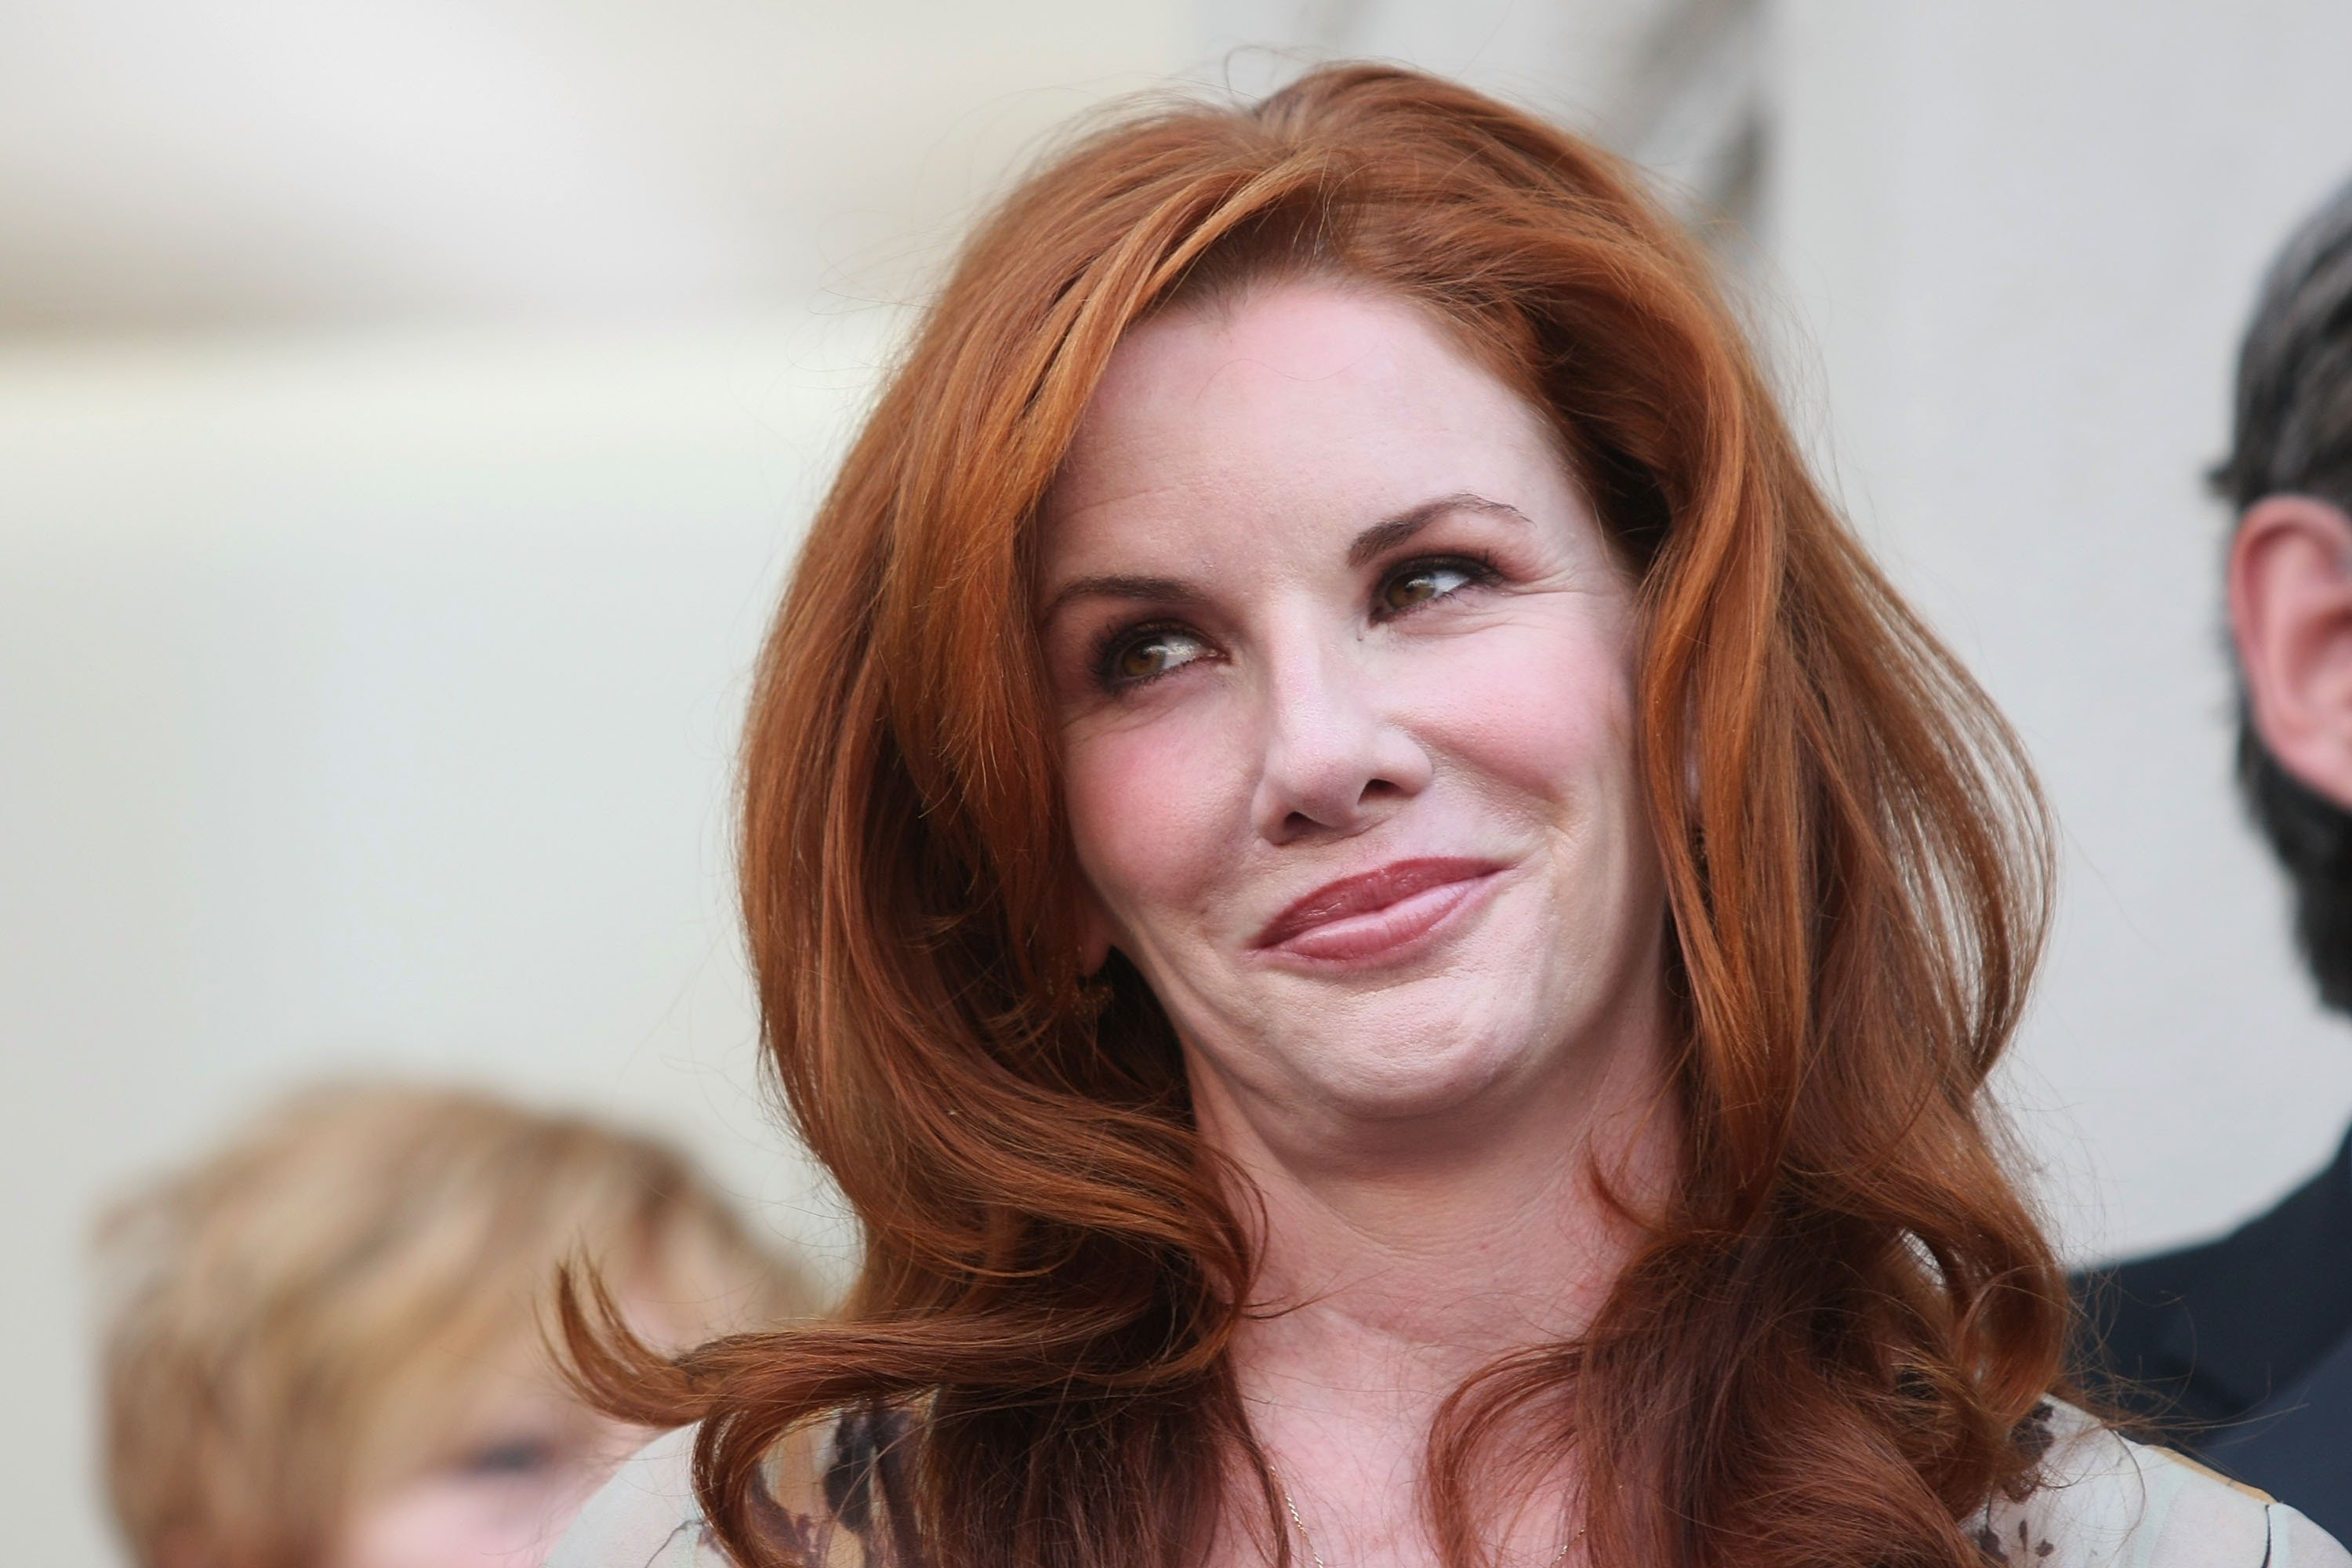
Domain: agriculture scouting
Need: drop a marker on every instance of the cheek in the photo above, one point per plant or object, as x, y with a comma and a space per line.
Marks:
1543, 712
438, 1520
485, 1521
1154, 806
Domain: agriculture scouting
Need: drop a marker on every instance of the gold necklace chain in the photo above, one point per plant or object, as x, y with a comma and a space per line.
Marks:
1317, 1557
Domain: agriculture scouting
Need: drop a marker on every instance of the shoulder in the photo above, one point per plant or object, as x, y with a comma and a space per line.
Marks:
647, 1516
2103, 1501
2212, 1329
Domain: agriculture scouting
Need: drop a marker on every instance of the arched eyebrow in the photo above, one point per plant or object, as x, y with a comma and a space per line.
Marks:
1155, 590
1375, 541
1384, 536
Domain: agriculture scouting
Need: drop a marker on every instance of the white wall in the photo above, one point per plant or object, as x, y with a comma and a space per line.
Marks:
2023, 236
228, 164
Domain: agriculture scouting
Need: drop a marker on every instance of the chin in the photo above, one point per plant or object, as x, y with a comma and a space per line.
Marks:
1443, 1067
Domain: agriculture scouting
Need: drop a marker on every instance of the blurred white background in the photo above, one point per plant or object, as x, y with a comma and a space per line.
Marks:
408, 407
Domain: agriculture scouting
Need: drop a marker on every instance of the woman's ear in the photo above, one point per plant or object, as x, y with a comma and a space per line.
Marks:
1094, 932
2291, 612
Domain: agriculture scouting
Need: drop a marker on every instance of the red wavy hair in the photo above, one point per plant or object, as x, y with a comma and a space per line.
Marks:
1823, 1352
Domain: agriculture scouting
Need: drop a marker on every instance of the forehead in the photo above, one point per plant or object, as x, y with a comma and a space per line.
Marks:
1298, 403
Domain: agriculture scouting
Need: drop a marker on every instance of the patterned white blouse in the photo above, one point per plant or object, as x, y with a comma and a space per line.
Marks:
2102, 1502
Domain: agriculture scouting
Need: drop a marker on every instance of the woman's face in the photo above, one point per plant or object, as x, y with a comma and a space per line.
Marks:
1344, 669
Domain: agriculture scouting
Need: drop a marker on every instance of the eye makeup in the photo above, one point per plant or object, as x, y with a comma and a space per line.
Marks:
1466, 568
1113, 659
1127, 655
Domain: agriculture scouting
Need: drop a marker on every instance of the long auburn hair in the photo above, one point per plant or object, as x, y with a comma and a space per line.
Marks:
1823, 1353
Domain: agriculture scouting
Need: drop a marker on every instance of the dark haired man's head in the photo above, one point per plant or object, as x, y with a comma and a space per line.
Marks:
2289, 474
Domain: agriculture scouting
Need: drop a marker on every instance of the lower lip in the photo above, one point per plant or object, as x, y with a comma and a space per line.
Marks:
1388, 933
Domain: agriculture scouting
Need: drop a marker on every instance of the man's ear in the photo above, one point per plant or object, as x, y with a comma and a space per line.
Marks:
2291, 612
185, 1548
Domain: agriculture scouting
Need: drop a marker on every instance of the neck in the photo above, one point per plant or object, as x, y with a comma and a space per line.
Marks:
1444, 1253
1400, 1258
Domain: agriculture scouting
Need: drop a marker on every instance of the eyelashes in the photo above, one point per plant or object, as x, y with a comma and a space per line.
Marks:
1126, 656
1131, 656
1423, 581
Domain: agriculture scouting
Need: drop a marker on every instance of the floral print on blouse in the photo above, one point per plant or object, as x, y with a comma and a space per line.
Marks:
2102, 1502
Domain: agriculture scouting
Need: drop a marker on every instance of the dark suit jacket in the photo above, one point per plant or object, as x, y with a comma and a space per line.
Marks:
2239, 1351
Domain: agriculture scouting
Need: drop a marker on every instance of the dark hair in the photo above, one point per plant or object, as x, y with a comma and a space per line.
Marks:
1822, 1354
2294, 435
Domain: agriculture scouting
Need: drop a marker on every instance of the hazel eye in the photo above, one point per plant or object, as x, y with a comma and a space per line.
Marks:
1150, 654
1423, 581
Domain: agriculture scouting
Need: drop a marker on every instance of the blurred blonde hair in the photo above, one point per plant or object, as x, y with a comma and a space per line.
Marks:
300, 1316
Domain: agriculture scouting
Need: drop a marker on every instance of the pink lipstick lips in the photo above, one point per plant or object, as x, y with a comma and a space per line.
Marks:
1375, 913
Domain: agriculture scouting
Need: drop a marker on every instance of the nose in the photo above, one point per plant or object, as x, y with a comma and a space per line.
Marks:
1338, 760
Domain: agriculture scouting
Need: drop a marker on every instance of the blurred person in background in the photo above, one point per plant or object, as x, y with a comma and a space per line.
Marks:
1394, 936
325, 1343
2244, 1344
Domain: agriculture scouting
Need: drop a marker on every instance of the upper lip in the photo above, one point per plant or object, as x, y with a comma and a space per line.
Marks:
1368, 891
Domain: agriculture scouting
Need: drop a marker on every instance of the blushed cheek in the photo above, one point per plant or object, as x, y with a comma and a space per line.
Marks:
1546, 717
1153, 814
